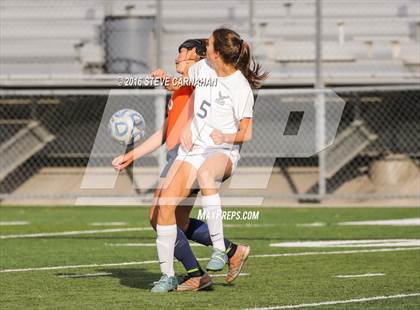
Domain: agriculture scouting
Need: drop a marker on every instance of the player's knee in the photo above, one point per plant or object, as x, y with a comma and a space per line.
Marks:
166, 214
205, 177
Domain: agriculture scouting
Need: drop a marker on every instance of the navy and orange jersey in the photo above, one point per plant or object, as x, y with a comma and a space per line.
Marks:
179, 110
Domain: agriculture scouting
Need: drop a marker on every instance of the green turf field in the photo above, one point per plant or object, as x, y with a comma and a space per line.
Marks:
99, 271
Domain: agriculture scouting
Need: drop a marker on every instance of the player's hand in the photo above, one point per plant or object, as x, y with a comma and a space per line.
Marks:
159, 73
218, 137
186, 138
121, 162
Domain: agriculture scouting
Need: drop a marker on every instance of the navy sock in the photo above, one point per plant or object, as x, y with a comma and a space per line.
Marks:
184, 254
198, 231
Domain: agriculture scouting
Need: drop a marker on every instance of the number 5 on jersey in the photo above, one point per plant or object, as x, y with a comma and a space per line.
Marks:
203, 109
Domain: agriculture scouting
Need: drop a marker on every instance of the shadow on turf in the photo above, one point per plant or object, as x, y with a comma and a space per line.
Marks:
134, 278
140, 278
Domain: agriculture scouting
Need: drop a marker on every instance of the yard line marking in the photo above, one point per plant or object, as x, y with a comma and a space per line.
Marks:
315, 224
206, 258
98, 274
348, 243
225, 274
336, 252
86, 232
360, 275
109, 224
397, 222
13, 223
336, 302
73, 233
81, 266
142, 244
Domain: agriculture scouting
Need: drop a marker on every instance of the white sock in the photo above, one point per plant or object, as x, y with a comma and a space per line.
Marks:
165, 243
213, 209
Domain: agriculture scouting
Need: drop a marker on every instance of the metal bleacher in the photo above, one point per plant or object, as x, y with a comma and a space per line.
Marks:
64, 37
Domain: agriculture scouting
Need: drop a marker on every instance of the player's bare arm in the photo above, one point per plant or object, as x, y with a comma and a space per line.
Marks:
150, 145
244, 133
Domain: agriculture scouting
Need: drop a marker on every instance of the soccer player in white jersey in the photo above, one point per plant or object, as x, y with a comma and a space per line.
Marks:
222, 121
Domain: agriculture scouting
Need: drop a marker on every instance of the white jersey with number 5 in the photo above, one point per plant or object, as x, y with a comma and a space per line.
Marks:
219, 103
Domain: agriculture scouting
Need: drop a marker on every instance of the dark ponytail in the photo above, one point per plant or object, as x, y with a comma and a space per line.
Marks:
236, 51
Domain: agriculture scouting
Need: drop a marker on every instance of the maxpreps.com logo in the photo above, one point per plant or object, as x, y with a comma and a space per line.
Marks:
247, 215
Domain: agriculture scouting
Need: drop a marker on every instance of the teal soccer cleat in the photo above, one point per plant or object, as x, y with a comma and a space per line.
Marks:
165, 284
217, 261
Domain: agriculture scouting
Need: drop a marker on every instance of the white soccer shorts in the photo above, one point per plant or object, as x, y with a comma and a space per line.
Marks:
197, 156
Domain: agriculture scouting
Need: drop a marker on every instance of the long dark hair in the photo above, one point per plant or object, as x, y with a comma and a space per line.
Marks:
236, 51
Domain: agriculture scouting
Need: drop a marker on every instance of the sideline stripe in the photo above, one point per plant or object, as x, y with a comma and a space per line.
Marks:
360, 275
337, 302
206, 258
73, 233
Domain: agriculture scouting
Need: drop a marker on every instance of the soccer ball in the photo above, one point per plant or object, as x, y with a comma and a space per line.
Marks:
127, 126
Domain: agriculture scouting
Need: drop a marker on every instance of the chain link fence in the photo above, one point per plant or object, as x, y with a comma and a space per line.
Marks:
363, 41
50, 137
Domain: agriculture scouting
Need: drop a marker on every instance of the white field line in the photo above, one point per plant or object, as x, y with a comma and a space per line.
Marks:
141, 244
73, 233
85, 275
13, 223
206, 258
81, 266
348, 243
87, 232
336, 252
315, 224
360, 275
109, 224
337, 302
398, 222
